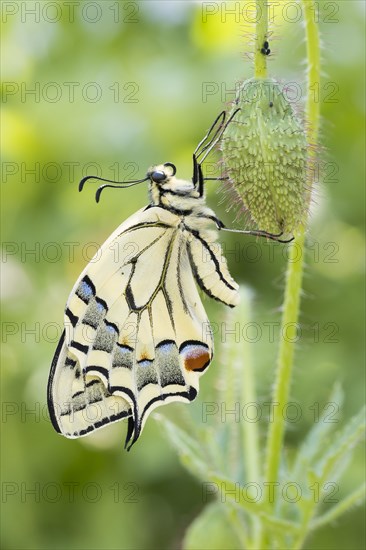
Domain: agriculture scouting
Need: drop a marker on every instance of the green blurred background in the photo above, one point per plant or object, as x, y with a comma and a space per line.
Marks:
118, 86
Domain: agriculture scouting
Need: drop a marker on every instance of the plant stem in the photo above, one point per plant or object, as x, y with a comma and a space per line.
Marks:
313, 54
250, 436
250, 432
285, 358
260, 60
295, 267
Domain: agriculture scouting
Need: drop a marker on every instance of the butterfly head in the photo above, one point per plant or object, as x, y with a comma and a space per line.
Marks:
165, 185
162, 173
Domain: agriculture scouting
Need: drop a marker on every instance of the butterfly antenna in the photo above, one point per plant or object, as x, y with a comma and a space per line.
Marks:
117, 183
111, 183
207, 148
201, 147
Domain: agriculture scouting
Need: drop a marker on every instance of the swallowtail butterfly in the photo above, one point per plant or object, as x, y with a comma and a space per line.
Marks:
136, 331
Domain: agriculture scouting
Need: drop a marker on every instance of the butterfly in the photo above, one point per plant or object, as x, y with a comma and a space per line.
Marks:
136, 333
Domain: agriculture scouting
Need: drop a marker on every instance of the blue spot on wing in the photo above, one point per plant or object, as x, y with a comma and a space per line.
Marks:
122, 356
166, 346
100, 307
167, 358
145, 363
86, 289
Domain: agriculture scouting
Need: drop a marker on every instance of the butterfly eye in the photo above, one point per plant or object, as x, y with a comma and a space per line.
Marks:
158, 176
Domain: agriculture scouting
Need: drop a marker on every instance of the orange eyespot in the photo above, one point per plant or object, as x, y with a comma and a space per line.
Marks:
196, 355
199, 362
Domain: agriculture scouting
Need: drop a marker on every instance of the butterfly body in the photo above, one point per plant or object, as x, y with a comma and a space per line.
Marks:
136, 333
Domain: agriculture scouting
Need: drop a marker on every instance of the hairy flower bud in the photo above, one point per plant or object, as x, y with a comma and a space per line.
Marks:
264, 155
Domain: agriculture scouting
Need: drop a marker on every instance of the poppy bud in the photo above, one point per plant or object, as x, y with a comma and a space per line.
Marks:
264, 156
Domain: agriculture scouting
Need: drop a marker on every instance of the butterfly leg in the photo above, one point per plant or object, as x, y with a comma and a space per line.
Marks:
260, 233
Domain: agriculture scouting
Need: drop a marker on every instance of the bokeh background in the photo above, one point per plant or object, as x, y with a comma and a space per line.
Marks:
111, 88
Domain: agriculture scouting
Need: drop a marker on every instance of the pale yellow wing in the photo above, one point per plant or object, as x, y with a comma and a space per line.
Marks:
136, 334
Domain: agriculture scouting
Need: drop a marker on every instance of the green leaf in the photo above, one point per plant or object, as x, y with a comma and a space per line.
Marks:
314, 441
356, 498
343, 445
212, 530
230, 491
234, 492
191, 452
